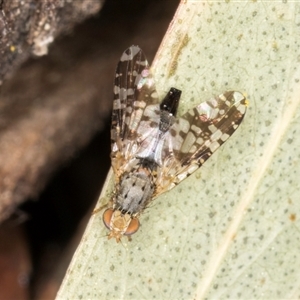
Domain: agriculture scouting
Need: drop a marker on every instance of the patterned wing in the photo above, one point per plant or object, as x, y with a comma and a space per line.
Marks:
134, 91
198, 134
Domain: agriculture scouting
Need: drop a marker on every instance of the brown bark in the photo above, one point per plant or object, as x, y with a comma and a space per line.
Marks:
15, 263
38, 105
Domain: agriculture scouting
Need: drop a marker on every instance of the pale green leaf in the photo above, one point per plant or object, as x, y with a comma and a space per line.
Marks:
232, 229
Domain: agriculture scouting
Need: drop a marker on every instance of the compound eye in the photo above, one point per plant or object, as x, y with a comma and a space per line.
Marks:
132, 227
107, 215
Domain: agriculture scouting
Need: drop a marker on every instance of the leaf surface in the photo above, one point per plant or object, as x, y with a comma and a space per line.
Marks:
231, 230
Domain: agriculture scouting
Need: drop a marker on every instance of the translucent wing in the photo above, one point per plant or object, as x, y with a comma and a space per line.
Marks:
134, 92
197, 135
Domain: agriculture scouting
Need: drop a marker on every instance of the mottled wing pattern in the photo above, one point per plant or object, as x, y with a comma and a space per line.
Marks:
198, 134
134, 91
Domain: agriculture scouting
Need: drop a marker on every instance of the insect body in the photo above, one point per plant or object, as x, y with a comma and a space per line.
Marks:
152, 150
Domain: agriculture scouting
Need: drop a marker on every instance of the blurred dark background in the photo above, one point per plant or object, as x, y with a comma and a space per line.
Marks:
55, 134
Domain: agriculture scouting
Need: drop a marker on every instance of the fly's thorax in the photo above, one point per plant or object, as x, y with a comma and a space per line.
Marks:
134, 191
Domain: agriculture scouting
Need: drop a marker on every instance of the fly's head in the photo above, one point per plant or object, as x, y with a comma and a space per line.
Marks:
120, 223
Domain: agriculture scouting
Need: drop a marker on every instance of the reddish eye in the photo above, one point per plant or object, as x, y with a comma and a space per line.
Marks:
121, 222
107, 217
132, 227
